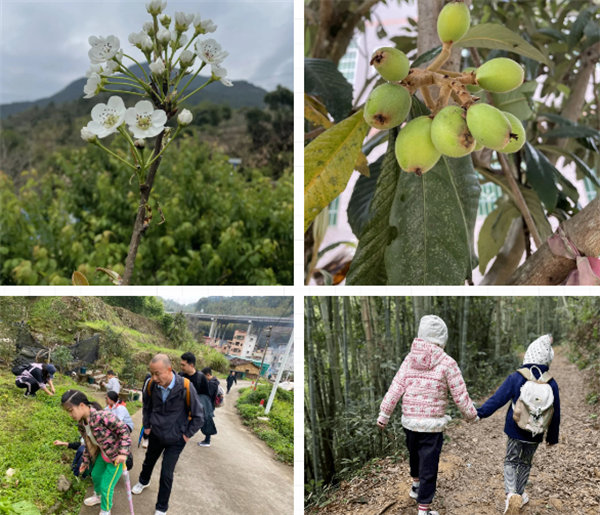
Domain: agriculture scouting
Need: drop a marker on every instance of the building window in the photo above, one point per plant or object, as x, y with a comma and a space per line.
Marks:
590, 190
347, 64
490, 192
333, 211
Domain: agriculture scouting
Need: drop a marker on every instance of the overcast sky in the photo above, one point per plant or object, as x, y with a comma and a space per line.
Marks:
43, 44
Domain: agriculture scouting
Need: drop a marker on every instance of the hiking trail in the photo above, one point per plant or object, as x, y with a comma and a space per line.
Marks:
564, 478
238, 473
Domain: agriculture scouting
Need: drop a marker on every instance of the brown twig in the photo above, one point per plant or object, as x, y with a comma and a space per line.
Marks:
138, 226
443, 56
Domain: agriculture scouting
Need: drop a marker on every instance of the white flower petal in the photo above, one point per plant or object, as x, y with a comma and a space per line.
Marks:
159, 117
130, 116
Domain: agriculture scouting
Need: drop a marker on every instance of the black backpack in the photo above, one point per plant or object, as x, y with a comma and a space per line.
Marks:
19, 369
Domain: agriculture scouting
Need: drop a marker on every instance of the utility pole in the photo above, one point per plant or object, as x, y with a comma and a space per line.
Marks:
263, 357
280, 373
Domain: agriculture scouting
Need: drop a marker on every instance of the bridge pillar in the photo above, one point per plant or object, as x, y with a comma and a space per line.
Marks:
213, 326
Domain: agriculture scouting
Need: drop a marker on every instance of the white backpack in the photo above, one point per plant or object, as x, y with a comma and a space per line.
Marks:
535, 406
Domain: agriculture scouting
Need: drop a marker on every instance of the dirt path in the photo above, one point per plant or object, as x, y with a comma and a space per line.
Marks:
564, 479
238, 473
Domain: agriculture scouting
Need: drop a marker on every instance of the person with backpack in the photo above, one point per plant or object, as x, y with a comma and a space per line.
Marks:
172, 414
534, 409
107, 444
34, 377
422, 382
213, 394
200, 382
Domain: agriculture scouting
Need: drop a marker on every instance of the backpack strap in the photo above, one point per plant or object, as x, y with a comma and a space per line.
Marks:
149, 387
186, 384
544, 378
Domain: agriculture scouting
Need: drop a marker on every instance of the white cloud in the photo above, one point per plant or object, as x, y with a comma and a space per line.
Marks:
43, 44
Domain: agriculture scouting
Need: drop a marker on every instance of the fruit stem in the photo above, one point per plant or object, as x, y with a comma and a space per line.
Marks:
441, 58
427, 98
442, 100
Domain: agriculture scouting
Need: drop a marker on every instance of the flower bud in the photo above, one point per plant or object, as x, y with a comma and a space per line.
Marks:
155, 7
87, 135
139, 143
163, 35
182, 21
146, 42
134, 38
157, 67
185, 117
149, 28
203, 26
186, 58
165, 20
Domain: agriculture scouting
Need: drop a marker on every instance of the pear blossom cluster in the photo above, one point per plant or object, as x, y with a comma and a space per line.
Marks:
172, 46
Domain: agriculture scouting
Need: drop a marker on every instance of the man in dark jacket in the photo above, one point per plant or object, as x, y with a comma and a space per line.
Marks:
230, 380
198, 379
170, 420
522, 444
213, 390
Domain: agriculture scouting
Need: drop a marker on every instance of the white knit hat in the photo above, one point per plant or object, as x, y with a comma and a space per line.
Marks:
432, 329
540, 351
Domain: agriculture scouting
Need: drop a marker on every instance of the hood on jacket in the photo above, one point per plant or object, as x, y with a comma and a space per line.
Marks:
425, 355
432, 329
540, 351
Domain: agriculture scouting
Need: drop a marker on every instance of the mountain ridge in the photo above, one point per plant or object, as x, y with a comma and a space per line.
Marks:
242, 94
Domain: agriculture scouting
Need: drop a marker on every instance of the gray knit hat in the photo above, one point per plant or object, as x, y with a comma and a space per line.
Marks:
540, 351
432, 329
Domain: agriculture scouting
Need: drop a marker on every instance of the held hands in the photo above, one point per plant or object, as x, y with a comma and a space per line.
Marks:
82, 468
121, 458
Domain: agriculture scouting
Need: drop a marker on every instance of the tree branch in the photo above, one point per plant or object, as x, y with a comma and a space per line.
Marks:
544, 268
139, 226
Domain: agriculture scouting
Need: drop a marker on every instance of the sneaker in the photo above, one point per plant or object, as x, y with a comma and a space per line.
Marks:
414, 492
430, 512
513, 504
203, 444
145, 443
525, 498
158, 512
138, 488
102, 512
93, 500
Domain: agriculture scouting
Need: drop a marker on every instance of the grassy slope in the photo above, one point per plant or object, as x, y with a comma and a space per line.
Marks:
27, 429
278, 431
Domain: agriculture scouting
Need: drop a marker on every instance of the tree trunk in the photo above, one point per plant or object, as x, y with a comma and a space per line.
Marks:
463, 334
315, 447
544, 268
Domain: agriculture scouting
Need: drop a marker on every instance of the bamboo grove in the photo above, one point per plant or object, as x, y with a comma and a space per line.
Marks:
354, 346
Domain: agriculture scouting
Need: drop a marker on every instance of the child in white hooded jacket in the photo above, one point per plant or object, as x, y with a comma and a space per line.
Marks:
424, 378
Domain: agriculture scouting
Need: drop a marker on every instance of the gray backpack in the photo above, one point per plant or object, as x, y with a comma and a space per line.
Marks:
535, 406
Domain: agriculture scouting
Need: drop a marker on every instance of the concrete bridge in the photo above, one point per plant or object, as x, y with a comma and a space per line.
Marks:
219, 323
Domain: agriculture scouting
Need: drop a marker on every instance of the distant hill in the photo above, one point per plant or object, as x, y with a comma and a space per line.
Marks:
252, 306
242, 94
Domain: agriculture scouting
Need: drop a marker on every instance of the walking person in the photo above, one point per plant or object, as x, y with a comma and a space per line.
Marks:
198, 379
422, 382
113, 384
534, 410
172, 414
231, 378
107, 444
37, 376
118, 407
213, 390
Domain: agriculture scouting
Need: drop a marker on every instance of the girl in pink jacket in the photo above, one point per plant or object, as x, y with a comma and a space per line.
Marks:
423, 381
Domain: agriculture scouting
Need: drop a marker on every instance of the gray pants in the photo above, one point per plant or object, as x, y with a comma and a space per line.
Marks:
517, 465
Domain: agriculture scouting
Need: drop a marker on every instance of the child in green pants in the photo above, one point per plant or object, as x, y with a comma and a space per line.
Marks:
107, 444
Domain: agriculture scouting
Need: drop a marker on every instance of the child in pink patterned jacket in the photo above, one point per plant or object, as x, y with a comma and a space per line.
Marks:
422, 382
105, 436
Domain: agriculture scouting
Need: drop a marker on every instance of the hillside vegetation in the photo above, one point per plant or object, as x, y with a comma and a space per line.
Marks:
69, 207
128, 340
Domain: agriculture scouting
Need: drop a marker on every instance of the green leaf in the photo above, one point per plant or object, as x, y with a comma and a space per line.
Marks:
434, 219
322, 252
324, 80
430, 55
492, 35
537, 212
405, 43
572, 131
514, 102
362, 195
540, 174
579, 25
580, 163
329, 161
592, 34
494, 230
367, 265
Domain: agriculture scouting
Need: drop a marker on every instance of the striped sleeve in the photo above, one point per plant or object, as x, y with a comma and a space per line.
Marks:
458, 390
393, 395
